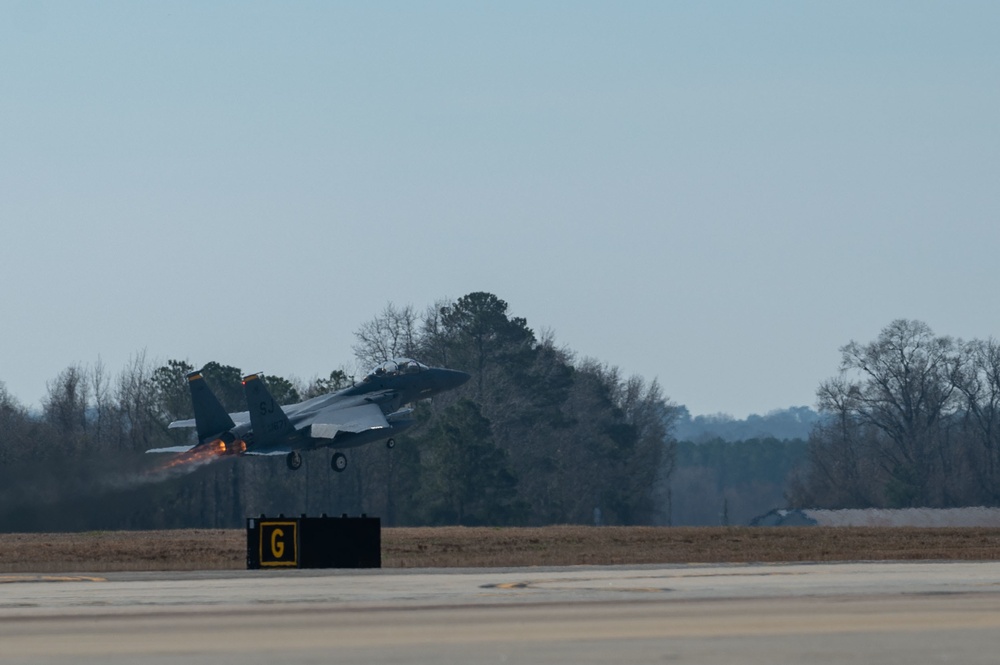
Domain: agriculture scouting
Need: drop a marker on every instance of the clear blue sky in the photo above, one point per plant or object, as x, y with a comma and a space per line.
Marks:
717, 195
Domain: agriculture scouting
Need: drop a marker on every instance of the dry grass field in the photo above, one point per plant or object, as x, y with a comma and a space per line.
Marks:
205, 549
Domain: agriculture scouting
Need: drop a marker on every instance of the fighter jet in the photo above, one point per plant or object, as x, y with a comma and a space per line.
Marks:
369, 411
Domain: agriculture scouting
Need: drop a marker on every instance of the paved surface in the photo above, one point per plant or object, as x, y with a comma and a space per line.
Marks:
822, 613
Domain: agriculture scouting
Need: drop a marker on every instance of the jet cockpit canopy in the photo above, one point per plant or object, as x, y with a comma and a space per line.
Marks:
395, 367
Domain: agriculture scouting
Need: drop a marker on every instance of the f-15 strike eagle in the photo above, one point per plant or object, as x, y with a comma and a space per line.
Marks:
368, 411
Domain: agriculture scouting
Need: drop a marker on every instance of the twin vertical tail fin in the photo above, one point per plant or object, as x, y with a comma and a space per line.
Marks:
271, 427
210, 417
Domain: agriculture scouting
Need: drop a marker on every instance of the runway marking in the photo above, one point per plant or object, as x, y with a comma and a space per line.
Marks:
574, 582
557, 584
16, 579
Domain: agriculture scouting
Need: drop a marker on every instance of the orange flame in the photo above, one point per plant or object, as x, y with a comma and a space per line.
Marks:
196, 457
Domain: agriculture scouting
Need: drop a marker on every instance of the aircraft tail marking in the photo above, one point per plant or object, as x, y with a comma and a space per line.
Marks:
270, 424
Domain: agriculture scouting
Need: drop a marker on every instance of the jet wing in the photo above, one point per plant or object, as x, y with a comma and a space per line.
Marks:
354, 419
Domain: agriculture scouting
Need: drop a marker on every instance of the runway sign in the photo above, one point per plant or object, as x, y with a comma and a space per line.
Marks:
314, 542
278, 543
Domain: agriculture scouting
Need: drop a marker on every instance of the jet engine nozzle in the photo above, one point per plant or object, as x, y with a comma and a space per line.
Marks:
231, 443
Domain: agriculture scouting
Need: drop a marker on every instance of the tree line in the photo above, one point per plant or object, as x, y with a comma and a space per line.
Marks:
536, 437
912, 419
718, 482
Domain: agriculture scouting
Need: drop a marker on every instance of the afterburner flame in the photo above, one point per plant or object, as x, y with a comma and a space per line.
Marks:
237, 447
197, 457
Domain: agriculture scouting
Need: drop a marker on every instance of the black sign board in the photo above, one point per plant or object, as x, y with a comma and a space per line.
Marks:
314, 542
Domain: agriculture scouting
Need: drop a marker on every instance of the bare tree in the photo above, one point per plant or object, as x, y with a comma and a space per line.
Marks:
13, 427
906, 388
979, 383
135, 395
391, 334
845, 471
890, 439
433, 344
104, 416
65, 408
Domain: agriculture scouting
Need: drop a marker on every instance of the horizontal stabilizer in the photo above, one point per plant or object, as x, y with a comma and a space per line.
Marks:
177, 424
171, 449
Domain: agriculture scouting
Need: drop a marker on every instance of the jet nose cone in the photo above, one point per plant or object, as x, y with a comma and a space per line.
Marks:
453, 378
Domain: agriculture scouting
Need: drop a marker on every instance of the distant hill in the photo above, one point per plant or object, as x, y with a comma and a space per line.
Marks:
791, 423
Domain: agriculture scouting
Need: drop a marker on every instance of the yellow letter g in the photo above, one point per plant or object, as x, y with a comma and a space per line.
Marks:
277, 546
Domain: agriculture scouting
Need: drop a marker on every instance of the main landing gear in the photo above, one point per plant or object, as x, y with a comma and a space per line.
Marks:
294, 461
338, 462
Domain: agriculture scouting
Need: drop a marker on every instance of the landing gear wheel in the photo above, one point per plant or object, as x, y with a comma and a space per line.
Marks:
293, 460
390, 444
339, 462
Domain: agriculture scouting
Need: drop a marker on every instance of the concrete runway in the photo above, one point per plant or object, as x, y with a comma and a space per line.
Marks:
815, 613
